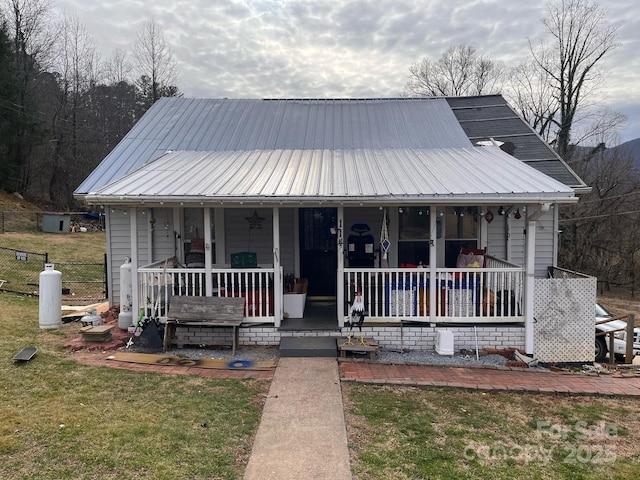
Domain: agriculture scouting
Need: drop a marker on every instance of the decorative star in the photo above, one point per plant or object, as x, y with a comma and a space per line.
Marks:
255, 221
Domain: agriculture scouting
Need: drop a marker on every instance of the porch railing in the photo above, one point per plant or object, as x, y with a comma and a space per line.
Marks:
490, 294
157, 284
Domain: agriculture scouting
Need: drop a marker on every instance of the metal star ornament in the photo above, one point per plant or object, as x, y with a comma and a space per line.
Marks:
255, 221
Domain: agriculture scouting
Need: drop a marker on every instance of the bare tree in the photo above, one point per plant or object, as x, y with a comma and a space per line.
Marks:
77, 72
32, 46
117, 68
156, 65
460, 71
580, 37
597, 235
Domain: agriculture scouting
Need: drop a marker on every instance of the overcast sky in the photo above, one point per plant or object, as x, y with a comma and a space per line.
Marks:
342, 48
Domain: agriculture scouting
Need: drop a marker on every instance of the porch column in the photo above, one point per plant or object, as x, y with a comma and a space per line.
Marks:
277, 273
340, 279
208, 288
529, 282
135, 297
433, 261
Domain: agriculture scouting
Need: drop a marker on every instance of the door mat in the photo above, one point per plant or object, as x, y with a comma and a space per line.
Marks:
173, 361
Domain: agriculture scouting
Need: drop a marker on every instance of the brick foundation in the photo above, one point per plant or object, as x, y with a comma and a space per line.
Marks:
389, 337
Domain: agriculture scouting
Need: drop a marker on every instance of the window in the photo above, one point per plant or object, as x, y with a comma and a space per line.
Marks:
461, 231
413, 236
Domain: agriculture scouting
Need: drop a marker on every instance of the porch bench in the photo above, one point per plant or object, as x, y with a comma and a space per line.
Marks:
203, 312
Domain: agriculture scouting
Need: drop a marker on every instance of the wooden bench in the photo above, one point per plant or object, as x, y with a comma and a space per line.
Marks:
203, 312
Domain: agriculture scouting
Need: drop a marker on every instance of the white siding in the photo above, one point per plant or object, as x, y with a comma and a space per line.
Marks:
544, 244
119, 243
163, 238
497, 241
239, 238
287, 239
518, 240
496, 238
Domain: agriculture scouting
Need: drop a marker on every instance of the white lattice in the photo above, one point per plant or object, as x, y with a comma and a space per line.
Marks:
402, 302
564, 313
460, 303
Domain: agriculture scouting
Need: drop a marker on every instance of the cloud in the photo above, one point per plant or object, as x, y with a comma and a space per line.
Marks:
339, 48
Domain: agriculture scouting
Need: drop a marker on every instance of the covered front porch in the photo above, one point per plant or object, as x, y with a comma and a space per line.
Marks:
493, 294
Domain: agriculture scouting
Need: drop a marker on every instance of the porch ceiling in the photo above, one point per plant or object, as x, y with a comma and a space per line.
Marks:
477, 175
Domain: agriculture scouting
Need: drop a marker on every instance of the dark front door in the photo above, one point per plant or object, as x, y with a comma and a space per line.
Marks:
318, 260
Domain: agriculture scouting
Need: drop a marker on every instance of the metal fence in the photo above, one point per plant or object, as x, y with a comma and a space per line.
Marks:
20, 221
81, 282
20, 270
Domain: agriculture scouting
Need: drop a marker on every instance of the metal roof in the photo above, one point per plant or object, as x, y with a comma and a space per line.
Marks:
210, 125
490, 116
430, 176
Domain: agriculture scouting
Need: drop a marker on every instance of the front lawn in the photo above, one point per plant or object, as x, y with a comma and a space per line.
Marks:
412, 433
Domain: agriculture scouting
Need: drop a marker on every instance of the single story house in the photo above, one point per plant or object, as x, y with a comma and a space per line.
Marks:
441, 212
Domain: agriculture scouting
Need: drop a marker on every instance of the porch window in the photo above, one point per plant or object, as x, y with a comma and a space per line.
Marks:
461, 231
413, 236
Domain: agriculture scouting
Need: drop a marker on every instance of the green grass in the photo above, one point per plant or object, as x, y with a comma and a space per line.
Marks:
410, 433
64, 420
65, 251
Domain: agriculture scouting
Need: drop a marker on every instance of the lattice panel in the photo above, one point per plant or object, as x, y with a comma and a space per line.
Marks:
402, 302
564, 312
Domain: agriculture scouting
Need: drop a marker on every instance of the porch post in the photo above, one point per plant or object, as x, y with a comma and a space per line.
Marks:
529, 282
135, 290
340, 273
433, 260
208, 288
277, 274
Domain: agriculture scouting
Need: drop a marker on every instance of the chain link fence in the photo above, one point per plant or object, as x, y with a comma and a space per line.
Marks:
29, 222
20, 221
82, 283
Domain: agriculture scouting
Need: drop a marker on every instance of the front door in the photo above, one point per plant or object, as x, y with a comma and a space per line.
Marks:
318, 258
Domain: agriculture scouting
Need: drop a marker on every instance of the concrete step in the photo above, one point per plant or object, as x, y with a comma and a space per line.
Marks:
308, 347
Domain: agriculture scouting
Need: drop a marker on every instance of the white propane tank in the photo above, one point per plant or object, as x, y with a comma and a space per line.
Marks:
50, 297
125, 318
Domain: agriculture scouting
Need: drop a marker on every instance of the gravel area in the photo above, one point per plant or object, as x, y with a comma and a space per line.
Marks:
433, 358
259, 353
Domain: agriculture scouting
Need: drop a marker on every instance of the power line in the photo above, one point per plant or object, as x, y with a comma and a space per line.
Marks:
604, 215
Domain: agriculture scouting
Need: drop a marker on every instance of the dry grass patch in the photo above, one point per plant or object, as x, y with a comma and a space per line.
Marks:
443, 433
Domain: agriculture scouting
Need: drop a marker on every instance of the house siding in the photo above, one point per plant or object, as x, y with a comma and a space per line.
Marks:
544, 244
240, 238
287, 239
120, 248
497, 241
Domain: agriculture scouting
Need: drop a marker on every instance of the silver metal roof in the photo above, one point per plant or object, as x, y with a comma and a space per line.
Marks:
430, 176
210, 125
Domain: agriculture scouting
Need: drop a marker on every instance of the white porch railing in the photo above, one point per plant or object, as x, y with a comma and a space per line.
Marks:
463, 295
157, 284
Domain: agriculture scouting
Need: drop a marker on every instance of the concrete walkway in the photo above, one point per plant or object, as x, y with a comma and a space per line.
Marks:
302, 432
